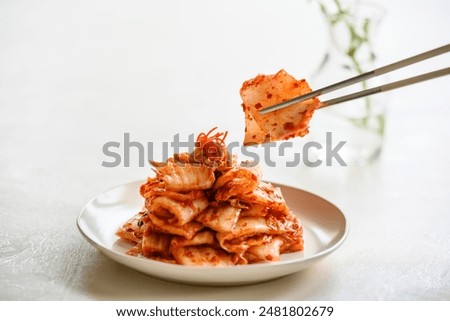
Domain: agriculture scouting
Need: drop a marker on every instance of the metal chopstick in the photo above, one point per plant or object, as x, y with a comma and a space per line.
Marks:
368, 75
386, 87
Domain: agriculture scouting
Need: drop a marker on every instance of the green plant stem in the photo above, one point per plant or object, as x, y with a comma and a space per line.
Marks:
357, 41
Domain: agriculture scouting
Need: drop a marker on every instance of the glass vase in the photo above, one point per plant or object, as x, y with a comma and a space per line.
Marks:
352, 28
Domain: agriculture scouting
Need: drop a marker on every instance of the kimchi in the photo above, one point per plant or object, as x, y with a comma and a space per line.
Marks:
205, 209
268, 90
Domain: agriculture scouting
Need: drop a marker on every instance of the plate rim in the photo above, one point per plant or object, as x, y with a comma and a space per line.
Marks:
262, 265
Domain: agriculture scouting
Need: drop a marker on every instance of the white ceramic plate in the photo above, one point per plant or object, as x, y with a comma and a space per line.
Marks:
325, 229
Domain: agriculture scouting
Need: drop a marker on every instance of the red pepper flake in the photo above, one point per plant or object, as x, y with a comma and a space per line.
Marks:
269, 95
289, 126
258, 106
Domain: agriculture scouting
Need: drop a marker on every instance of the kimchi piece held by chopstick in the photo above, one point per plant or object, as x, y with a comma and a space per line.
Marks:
268, 90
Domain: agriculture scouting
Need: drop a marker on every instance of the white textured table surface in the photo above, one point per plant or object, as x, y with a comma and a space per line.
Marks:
74, 75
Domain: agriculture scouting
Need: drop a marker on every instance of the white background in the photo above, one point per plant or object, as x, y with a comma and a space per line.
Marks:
77, 74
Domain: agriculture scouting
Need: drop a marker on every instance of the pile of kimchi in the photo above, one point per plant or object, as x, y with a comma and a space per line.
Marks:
205, 209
